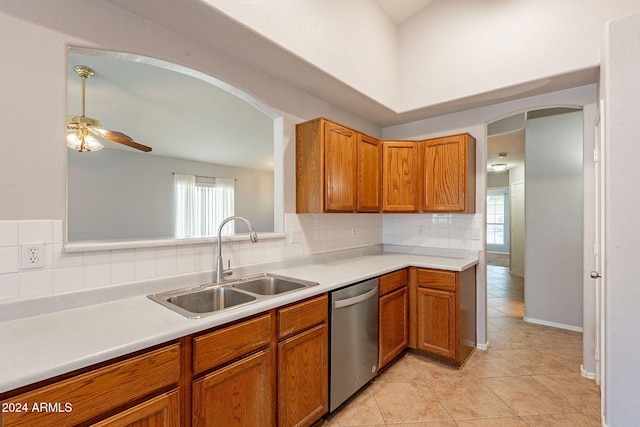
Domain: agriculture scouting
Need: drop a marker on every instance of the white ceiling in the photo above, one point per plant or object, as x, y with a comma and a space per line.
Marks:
401, 10
176, 114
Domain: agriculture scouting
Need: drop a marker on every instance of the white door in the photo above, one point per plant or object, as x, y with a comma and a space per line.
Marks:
598, 274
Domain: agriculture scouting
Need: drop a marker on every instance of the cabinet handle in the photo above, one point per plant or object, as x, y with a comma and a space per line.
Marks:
340, 132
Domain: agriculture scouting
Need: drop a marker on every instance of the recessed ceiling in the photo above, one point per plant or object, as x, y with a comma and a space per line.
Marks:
401, 10
176, 114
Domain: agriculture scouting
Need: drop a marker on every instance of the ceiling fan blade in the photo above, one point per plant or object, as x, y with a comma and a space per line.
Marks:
120, 138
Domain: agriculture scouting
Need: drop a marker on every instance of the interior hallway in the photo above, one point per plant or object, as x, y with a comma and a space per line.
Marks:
530, 376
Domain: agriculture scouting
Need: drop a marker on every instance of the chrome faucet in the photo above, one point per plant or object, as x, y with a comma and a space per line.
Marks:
220, 271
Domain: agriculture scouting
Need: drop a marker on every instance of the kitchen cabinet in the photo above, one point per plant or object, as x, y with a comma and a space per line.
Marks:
443, 313
369, 174
239, 394
393, 307
96, 394
341, 170
240, 390
161, 411
325, 167
303, 362
400, 172
449, 172
337, 169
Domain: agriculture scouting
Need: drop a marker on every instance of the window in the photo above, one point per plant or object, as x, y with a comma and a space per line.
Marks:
497, 221
201, 205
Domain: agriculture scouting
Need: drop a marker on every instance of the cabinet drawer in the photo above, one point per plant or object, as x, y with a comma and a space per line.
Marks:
437, 279
304, 315
392, 281
86, 396
226, 344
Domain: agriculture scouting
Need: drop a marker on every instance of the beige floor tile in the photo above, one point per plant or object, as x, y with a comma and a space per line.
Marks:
569, 357
409, 402
581, 393
427, 424
468, 399
360, 411
507, 341
487, 364
563, 420
526, 396
534, 362
402, 370
493, 422
427, 369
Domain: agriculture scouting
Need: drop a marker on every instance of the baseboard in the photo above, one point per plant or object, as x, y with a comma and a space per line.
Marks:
552, 324
484, 346
590, 375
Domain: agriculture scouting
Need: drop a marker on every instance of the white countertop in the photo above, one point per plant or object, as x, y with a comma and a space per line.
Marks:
40, 347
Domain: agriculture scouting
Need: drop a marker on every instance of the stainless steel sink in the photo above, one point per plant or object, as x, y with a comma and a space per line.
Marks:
201, 301
269, 284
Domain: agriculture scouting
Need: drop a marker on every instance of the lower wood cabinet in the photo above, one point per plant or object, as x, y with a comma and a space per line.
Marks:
160, 411
443, 313
436, 322
303, 362
393, 312
107, 391
239, 394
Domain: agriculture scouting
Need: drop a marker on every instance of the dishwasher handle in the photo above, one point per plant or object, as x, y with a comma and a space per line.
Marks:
355, 300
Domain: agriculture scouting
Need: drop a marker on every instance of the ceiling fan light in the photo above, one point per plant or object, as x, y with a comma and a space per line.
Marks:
82, 143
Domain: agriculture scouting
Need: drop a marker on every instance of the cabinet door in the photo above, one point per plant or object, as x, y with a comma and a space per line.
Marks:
436, 322
400, 176
240, 394
161, 411
303, 392
369, 173
394, 328
447, 181
339, 168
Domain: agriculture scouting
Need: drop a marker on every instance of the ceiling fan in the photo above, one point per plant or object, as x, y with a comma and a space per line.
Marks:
82, 129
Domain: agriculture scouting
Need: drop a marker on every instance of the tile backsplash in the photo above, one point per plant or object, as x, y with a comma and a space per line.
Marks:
306, 234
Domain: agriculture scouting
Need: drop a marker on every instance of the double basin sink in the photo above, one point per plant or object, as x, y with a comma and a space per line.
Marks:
205, 300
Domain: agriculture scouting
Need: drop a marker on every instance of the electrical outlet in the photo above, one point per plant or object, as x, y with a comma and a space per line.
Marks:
353, 231
32, 255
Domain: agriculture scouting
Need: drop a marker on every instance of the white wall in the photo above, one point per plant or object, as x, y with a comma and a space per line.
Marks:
473, 47
517, 194
553, 220
353, 40
621, 91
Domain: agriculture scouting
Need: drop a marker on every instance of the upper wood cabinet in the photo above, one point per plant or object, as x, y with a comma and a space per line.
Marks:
337, 169
449, 174
400, 172
369, 174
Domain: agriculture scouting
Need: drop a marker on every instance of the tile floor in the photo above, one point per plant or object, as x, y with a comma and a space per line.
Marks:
530, 376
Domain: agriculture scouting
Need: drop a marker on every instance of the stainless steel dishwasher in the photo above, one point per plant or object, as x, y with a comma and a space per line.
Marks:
354, 339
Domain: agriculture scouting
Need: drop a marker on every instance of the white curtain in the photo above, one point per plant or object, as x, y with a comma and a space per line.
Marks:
201, 205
